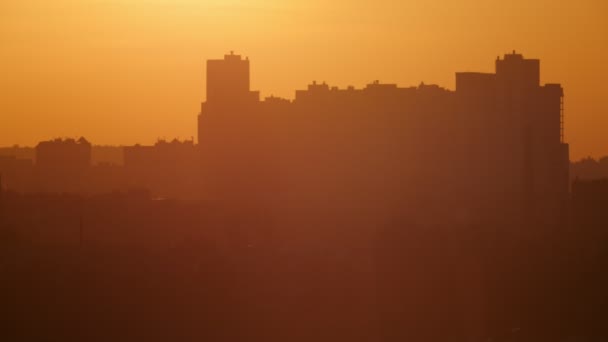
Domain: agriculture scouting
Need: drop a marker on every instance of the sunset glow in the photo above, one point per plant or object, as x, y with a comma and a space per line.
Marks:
304, 170
123, 72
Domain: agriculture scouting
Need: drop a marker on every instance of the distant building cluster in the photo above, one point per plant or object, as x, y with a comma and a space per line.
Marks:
493, 147
495, 142
64, 155
167, 168
378, 214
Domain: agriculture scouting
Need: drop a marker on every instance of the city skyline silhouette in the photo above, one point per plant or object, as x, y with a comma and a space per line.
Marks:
352, 171
525, 125
163, 136
381, 213
121, 73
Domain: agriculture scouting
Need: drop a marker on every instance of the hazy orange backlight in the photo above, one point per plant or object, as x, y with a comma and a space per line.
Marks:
123, 72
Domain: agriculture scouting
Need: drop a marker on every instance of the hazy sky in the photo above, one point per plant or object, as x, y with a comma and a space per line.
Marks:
131, 71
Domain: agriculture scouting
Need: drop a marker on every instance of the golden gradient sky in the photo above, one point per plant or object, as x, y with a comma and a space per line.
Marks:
130, 71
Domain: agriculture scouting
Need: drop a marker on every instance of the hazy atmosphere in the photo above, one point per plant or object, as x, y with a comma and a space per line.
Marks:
361, 171
123, 72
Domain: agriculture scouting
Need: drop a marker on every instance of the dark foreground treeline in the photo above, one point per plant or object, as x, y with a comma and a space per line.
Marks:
123, 267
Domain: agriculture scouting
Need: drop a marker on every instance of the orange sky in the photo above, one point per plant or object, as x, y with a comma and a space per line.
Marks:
130, 71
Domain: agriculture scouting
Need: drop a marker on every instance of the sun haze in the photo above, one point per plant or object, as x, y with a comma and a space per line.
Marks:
125, 71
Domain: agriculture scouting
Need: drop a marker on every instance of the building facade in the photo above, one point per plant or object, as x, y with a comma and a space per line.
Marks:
494, 147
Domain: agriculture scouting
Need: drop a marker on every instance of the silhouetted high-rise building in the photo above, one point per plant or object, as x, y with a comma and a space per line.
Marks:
521, 122
494, 147
517, 72
228, 80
